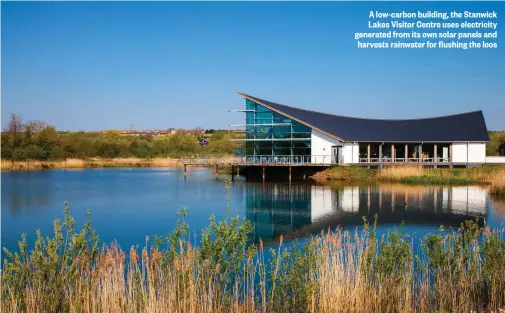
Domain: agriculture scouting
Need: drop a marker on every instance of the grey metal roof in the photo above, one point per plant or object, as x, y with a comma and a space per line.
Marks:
463, 127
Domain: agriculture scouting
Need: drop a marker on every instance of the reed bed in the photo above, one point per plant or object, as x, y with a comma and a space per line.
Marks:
31, 165
406, 174
498, 183
336, 271
88, 163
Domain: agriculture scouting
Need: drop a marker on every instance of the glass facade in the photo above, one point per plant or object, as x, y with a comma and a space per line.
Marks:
269, 133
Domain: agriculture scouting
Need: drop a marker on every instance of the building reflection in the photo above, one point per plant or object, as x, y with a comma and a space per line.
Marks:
295, 210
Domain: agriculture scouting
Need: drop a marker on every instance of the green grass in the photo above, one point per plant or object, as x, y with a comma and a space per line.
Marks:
434, 180
348, 173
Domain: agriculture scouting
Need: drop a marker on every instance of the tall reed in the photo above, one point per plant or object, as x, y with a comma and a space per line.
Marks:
337, 271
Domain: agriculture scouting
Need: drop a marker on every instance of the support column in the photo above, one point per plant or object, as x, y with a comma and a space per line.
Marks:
380, 155
435, 157
406, 152
420, 152
290, 173
450, 155
368, 154
264, 173
217, 171
393, 152
238, 171
185, 170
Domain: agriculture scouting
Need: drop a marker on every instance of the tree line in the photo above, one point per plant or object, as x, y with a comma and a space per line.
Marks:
36, 140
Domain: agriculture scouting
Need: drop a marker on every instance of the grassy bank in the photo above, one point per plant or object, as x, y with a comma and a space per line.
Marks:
99, 163
334, 272
88, 163
492, 175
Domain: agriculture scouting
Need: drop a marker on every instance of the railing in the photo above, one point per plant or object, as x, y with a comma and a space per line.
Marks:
292, 159
403, 160
296, 160
210, 159
263, 159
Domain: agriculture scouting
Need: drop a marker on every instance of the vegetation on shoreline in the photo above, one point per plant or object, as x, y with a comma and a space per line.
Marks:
496, 139
338, 271
493, 175
38, 141
89, 163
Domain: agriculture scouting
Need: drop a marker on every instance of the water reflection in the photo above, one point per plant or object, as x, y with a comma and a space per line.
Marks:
16, 197
296, 210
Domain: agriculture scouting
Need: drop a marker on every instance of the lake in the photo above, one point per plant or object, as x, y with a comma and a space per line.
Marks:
129, 204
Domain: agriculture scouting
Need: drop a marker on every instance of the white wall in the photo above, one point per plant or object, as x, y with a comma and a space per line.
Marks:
476, 152
459, 152
351, 153
495, 159
321, 146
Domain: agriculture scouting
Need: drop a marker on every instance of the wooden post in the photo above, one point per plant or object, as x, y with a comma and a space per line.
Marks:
420, 152
238, 171
264, 173
290, 173
185, 172
217, 171
393, 152
368, 153
406, 152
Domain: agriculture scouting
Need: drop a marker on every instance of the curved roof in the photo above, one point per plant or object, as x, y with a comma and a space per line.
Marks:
464, 127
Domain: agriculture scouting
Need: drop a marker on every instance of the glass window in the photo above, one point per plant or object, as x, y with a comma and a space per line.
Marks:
268, 139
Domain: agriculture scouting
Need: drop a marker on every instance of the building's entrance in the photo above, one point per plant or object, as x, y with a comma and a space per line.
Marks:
336, 152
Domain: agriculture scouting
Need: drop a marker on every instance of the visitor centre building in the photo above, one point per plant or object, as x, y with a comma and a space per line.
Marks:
277, 133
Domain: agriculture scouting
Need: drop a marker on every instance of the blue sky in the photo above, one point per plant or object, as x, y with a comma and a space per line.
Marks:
99, 65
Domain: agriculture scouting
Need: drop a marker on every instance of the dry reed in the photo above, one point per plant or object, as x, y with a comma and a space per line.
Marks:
88, 163
101, 163
335, 272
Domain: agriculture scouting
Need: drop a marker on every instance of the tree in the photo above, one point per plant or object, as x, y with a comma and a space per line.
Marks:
36, 126
14, 129
111, 134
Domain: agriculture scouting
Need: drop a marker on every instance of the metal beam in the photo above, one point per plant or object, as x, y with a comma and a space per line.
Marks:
272, 139
254, 125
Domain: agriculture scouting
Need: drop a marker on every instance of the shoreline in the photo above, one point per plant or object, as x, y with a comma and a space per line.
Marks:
493, 176
32, 165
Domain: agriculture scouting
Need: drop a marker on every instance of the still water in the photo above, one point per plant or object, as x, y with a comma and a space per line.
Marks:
127, 205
